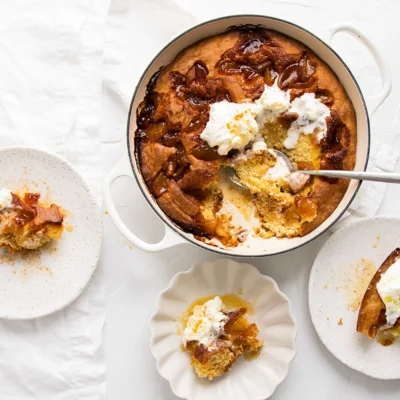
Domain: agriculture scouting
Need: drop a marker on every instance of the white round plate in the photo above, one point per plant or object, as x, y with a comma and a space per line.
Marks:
247, 380
50, 278
338, 280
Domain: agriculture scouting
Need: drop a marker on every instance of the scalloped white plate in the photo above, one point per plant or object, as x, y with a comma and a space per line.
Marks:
247, 380
49, 279
338, 280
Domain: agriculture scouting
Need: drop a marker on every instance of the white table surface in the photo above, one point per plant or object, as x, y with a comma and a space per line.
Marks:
135, 278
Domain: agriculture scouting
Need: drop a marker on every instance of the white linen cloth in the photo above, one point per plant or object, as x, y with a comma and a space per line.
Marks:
138, 29
50, 91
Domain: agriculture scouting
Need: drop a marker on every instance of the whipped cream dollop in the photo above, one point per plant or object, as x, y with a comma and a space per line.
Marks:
234, 126
389, 290
312, 116
280, 168
231, 126
272, 103
5, 199
258, 145
206, 323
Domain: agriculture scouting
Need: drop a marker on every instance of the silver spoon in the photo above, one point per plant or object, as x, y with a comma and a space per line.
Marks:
362, 176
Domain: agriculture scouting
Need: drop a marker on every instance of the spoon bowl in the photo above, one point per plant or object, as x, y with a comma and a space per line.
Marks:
361, 176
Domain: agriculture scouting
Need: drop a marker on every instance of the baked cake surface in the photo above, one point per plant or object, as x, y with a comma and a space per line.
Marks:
183, 171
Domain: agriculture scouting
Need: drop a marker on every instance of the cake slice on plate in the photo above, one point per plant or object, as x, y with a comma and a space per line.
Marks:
380, 308
216, 338
26, 224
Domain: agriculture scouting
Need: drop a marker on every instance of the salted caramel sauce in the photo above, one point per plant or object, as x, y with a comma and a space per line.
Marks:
252, 355
306, 207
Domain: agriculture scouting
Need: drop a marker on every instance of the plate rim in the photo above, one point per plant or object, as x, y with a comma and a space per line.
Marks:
361, 221
99, 234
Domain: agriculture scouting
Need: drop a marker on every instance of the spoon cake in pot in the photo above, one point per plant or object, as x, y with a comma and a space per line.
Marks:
230, 100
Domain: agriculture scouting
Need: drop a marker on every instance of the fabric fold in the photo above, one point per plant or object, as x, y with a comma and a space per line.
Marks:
50, 97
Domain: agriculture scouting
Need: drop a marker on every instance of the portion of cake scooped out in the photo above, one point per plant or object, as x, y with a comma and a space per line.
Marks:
379, 313
216, 337
25, 224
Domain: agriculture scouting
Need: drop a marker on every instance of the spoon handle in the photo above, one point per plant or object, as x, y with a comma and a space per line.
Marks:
362, 176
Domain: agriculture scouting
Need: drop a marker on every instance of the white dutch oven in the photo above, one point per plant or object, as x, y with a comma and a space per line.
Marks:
129, 166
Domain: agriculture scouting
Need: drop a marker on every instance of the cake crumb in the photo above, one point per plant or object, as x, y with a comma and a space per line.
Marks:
340, 322
242, 234
69, 228
378, 238
356, 280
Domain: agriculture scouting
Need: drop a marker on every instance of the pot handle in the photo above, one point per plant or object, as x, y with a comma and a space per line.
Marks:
373, 101
124, 168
